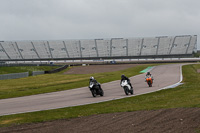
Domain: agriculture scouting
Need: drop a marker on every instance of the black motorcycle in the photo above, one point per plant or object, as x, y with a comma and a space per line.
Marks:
96, 89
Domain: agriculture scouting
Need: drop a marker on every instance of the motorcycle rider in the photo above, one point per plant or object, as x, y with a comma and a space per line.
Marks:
147, 76
95, 81
123, 77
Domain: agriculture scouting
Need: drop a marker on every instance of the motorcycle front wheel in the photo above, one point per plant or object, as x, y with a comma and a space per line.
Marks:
94, 94
126, 90
149, 83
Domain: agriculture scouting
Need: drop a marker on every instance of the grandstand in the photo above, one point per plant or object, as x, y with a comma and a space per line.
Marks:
114, 48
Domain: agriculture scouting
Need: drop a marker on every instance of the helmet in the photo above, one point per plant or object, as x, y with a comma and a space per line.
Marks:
148, 73
122, 76
91, 78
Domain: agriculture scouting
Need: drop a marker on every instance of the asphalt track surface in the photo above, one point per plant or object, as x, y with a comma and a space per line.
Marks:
164, 77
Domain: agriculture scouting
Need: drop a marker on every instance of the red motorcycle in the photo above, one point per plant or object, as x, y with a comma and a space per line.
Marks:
149, 81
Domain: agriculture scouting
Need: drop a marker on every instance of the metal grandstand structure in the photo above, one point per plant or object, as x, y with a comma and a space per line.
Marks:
114, 48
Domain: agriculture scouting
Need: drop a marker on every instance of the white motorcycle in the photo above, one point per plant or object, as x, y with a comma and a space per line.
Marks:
127, 87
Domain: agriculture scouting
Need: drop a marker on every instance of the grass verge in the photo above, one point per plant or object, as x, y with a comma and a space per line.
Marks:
20, 69
184, 96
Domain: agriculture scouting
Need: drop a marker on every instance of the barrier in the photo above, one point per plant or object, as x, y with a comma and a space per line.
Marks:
34, 73
14, 76
56, 70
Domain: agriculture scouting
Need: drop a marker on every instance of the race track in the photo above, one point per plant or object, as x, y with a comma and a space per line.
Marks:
164, 75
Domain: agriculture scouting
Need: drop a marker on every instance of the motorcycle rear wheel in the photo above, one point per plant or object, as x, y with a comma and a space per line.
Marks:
101, 93
131, 91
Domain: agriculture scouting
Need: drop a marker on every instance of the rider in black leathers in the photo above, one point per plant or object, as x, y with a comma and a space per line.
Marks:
94, 80
123, 77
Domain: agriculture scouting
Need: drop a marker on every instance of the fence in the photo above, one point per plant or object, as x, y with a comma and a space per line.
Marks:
14, 76
37, 73
26, 74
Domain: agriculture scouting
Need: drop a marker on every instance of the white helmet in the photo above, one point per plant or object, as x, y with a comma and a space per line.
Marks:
91, 78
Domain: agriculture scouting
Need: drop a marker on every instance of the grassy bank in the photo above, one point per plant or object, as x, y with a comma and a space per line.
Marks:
184, 96
20, 69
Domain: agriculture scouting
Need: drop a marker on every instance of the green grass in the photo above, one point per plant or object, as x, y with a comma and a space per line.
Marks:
20, 69
57, 82
184, 96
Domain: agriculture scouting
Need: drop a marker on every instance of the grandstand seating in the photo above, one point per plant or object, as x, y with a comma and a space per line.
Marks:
192, 45
26, 50
134, 46
180, 44
42, 49
149, 46
11, 50
164, 44
73, 48
58, 49
88, 48
103, 48
3, 54
98, 48
119, 47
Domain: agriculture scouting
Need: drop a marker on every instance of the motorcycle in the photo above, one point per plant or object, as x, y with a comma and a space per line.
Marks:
127, 88
149, 81
96, 89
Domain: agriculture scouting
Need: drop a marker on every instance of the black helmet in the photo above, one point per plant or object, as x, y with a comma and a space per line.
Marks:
148, 73
122, 76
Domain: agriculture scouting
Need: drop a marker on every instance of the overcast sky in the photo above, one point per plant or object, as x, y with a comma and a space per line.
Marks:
92, 19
